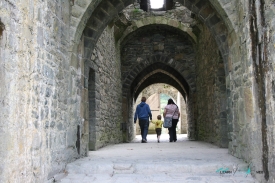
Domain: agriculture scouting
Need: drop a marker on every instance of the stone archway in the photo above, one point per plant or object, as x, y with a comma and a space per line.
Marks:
158, 47
94, 26
157, 21
49, 47
215, 17
106, 10
82, 11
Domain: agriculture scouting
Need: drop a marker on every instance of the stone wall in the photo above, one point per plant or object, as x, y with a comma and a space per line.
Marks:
191, 117
270, 81
249, 87
44, 121
105, 62
40, 96
140, 48
44, 84
183, 116
179, 13
210, 95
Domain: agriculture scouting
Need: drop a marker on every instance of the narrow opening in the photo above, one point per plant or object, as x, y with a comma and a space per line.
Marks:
2, 27
92, 109
157, 4
78, 139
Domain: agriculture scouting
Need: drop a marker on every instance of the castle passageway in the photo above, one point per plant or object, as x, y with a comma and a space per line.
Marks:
73, 71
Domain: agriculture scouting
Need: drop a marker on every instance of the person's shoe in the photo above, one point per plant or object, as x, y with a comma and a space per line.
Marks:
144, 141
158, 141
175, 140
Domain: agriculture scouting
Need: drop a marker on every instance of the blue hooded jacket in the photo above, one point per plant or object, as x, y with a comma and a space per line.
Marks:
142, 112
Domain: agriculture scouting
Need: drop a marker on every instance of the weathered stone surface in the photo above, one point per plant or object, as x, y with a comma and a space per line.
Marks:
107, 83
211, 123
42, 76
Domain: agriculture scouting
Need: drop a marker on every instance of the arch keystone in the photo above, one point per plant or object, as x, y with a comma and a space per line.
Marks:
76, 12
151, 20
173, 23
146, 21
206, 12
139, 23
159, 20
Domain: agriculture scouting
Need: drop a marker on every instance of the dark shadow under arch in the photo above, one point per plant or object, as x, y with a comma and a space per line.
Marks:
159, 77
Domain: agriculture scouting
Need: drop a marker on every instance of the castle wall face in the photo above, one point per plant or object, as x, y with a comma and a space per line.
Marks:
61, 90
211, 123
39, 92
104, 107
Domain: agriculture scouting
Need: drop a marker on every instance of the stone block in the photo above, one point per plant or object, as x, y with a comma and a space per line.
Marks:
117, 4
60, 126
248, 102
48, 72
241, 112
74, 62
109, 8
214, 20
76, 11
159, 47
71, 137
206, 12
94, 23
100, 14
174, 23
179, 56
36, 141
90, 33
87, 51
82, 3
238, 81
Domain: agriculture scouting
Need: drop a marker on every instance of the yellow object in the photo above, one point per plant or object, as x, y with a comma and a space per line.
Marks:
158, 123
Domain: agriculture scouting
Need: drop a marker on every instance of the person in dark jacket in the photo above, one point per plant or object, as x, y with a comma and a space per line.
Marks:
143, 113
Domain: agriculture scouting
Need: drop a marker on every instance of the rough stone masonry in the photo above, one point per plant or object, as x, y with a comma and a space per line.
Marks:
71, 71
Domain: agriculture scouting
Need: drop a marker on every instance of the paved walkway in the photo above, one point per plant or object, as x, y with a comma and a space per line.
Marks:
152, 162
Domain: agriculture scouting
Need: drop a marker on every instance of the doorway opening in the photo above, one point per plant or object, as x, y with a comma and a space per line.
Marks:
92, 109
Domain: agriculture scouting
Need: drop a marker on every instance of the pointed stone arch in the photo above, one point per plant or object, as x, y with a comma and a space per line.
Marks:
160, 73
158, 21
96, 16
153, 63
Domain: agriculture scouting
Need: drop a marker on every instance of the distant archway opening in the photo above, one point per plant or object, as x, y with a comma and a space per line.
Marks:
157, 96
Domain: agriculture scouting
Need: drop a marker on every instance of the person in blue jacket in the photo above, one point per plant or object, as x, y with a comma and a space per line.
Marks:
143, 113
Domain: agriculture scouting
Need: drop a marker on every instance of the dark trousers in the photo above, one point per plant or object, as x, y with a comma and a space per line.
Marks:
144, 124
158, 131
172, 130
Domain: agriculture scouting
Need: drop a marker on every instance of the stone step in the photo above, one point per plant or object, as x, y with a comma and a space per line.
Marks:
188, 167
158, 177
